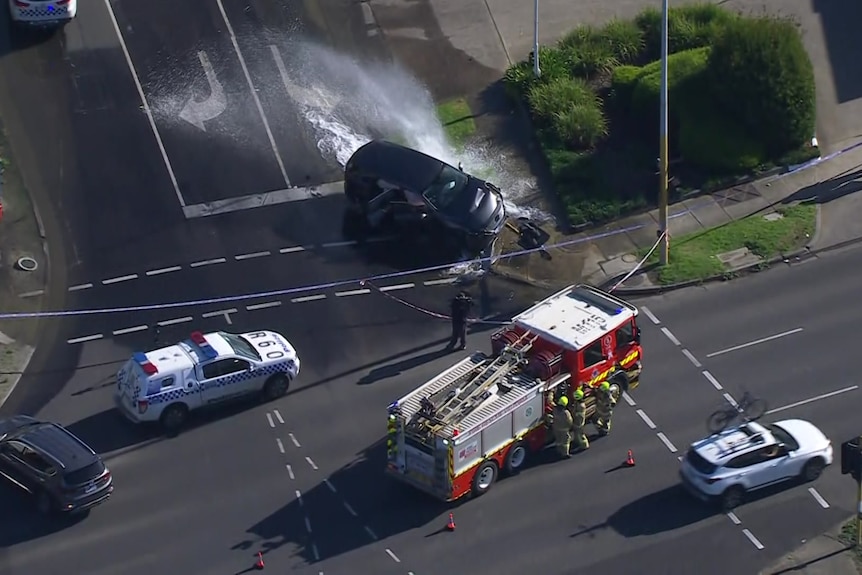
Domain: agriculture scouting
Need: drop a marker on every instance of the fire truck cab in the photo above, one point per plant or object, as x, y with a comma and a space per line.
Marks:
456, 433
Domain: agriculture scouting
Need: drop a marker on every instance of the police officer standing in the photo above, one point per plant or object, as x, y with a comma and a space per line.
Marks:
460, 309
562, 427
579, 416
605, 403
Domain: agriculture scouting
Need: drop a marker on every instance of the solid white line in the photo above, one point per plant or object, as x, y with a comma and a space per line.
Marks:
732, 516
250, 256
161, 271
629, 399
80, 287
393, 555
146, 106
666, 442
755, 342
308, 298
650, 314
120, 279
670, 336
299, 497
290, 471
350, 509
730, 400
819, 498
307, 525
34, 293
130, 329
691, 358
315, 552
280, 444
646, 418
208, 262
224, 312
270, 421
352, 292
397, 287
815, 398
712, 380
445, 281
186, 319
371, 533
291, 250
341, 244
294, 439
278, 416
253, 92
93, 337
330, 485
753, 539
311, 463
255, 306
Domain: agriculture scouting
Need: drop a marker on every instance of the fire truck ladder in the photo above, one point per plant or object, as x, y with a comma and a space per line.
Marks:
464, 398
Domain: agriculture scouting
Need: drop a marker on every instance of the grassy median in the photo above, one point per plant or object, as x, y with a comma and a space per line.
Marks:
457, 120
693, 257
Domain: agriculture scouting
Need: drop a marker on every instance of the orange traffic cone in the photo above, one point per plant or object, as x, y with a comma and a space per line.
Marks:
450, 526
259, 564
630, 460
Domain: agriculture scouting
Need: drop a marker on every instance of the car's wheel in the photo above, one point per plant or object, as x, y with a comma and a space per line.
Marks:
174, 417
485, 477
813, 469
516, 457
275, 387
44, 503
732, 498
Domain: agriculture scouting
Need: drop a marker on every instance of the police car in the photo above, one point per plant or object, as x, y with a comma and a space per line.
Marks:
726, 466
42, 12
164, 385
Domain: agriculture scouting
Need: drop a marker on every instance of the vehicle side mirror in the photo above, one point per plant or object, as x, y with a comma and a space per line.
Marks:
460, 166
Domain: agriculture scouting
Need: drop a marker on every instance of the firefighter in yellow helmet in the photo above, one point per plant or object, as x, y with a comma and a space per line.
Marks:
579, 415
562, 427
605, 404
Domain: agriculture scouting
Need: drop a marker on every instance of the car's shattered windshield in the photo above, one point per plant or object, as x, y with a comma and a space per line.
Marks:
445, 187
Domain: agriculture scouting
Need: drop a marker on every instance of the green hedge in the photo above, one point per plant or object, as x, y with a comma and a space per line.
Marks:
623, 82
714, 141
689, 26
761, 74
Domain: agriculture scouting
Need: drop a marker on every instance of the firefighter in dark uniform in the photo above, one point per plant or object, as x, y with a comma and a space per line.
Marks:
460, 308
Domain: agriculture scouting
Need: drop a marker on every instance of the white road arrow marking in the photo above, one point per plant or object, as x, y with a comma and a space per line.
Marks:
196, 113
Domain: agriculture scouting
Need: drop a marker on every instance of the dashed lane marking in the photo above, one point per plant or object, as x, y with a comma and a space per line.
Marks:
397, 287
666, 442
732, 516
80, 287
290, 471
339, 244
291, 250
650, 315
370, 532
130, 329
280, 444
330, 485
311, 463
85, 338
278, 416
211, 262
161, 271
646, 418
251, 256
691, 358
393, 555
818, 498
175, 321
308, 298
294, 439
440, 282
299, 497
222, 312
269, 420
34, 293
729, 399
307, 525
352, 292
315, 552
712, 380
629, 399
266, 305
350, 509
120, 279
812, 399
670, 336
753, 539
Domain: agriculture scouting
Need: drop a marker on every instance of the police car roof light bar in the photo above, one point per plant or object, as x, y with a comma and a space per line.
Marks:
148, 367
199, 340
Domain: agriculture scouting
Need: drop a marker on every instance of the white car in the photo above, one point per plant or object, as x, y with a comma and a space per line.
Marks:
726, 466
42, 12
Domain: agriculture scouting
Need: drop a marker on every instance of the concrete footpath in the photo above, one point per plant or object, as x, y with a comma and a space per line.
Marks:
826, 554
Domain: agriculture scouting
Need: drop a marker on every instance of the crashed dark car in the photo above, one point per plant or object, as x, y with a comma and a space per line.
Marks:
388, 185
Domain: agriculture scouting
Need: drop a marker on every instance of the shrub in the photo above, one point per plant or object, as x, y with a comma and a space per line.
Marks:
623, 84
518, 79
689, 26
712, 141
761, 73
594, 51
548, 98
624, 39
581, 126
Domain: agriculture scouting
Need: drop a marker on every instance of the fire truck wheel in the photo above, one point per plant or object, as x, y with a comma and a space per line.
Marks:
485, 477
174, 417
516, 457
621, 380
275, 387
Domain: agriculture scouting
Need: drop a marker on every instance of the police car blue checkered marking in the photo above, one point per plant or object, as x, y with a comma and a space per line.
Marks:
266, 370
167, 396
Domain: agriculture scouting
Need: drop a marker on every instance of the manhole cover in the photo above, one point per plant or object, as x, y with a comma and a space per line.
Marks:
27, 264
629, 258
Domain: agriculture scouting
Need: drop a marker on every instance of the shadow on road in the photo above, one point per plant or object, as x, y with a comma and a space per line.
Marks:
397, 368
20, 522
828, 190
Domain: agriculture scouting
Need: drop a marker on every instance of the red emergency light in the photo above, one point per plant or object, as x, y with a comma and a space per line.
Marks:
454, 433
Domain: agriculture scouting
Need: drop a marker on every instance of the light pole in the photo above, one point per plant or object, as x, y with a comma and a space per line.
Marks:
662, 175
536, 69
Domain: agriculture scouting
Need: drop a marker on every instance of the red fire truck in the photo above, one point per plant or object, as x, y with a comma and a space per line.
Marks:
485, 415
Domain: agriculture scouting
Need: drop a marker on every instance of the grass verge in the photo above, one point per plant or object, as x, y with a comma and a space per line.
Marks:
457, 120
693, 257
848, 536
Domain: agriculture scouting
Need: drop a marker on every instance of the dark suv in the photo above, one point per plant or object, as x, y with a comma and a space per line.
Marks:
59, 469
388, 184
